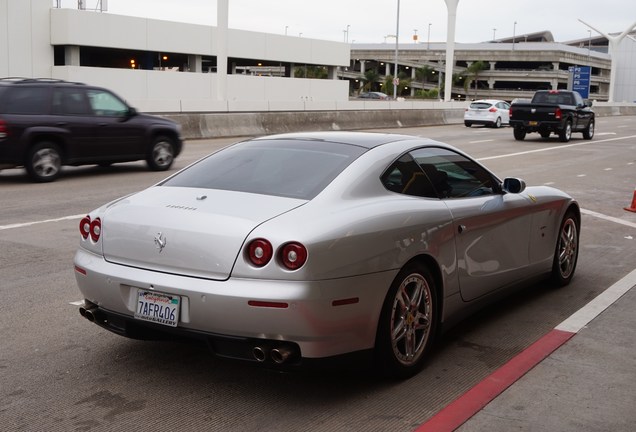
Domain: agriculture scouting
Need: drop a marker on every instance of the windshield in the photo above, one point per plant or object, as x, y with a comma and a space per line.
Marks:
294, 169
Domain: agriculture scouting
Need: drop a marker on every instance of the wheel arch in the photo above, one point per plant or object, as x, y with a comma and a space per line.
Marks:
36, 138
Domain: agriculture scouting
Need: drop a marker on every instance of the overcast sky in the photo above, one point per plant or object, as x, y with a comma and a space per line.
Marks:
370, 21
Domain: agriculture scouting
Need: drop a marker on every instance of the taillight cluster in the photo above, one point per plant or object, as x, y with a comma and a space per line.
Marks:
4, 130
292, 255
558, 114
92, 228
493, 109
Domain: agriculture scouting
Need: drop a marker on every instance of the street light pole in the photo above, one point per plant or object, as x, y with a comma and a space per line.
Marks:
514, 31
428, 41
397, 37
589, 45
348, 33
494, 31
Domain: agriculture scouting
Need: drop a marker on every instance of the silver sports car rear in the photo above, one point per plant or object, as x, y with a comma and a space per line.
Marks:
305, 246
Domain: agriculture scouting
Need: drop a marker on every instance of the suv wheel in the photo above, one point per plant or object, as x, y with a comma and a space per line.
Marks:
161, 155
44, 162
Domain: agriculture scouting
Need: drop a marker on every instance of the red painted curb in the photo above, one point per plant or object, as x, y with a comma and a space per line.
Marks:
471, 402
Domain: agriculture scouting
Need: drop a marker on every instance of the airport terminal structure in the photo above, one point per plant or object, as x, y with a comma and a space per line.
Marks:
164, 66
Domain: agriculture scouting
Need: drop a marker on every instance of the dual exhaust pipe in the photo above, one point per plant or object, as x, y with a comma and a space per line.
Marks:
278, 355
89, 311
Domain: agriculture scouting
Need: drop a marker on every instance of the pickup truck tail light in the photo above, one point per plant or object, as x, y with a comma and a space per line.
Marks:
558, 114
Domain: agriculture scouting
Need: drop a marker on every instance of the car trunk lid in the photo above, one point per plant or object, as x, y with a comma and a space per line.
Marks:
185, 231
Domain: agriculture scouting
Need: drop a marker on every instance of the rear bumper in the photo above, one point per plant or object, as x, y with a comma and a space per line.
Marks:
535, 126
320, 318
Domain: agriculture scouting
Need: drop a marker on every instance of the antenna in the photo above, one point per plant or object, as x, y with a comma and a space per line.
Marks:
614, 42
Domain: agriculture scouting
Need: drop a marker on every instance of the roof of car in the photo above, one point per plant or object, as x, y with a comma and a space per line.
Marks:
44, 81
362, 139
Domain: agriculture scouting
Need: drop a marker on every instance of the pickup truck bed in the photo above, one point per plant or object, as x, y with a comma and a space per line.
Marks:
553, 111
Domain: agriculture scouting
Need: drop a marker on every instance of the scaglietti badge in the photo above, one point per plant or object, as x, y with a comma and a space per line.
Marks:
160, 241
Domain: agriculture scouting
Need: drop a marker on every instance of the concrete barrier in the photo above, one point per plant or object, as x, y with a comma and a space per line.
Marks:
228, 124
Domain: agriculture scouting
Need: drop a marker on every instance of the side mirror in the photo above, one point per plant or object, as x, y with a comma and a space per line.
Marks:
588, 103
513, 185
132, 112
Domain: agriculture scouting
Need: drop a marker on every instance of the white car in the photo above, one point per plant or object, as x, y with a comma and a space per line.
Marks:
489, 112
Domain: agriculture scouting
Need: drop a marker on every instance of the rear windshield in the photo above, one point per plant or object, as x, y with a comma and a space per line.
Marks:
294, 169
480, 105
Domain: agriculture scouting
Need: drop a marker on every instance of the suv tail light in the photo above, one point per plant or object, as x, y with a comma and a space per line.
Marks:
4, 129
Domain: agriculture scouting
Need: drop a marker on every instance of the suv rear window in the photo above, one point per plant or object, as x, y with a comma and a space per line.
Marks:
26, 100
293, 169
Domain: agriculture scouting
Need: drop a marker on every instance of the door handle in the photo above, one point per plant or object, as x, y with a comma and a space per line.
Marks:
461, 228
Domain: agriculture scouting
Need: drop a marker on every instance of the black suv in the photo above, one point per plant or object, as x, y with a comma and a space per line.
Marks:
47, 123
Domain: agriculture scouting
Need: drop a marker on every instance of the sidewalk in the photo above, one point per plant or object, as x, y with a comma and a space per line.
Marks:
588, 384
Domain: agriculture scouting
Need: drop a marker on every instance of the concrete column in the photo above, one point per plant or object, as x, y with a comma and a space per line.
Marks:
492, 65
491, 83
362, 66
387, 69
222, 14
195, 63
451, 5
72, 56
333, 72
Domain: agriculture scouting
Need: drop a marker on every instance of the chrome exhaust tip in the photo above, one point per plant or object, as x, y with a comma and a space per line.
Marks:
88, 311
281, 355
259, 353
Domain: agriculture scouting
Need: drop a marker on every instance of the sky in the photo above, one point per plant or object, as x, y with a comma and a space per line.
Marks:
375, 21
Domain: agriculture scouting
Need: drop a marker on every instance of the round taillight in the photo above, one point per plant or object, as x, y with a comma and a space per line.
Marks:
259, 252
96, 229
293, 255
85, 227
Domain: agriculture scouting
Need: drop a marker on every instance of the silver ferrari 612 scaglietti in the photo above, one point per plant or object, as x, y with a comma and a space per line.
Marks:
289, 248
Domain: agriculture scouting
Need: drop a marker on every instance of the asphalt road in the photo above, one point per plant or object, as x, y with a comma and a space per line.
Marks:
58, 372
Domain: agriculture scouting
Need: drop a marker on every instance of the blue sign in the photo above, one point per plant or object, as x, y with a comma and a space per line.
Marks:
581, 79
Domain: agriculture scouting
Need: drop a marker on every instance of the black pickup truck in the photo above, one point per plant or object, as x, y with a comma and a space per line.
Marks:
553, 111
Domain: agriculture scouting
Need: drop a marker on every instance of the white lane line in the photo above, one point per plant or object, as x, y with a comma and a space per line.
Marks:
608, 218
587, 313
480, 141
26, 224
561, 147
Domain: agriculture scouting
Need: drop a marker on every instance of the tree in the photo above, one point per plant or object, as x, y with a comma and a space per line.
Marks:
424, 74
370, 77
472, 73
317, 72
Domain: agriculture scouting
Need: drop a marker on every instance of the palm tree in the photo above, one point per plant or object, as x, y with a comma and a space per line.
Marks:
370, 77
473, 74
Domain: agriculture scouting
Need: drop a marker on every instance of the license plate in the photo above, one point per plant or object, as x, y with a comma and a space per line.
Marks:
533, 123
158, 307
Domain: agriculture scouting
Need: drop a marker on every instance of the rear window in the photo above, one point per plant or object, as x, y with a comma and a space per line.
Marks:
293, 169
480, 105
26, 100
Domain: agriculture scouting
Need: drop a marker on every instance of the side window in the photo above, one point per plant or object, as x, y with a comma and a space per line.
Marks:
70, 101
106, 104
454, 175
406, 177
27, 100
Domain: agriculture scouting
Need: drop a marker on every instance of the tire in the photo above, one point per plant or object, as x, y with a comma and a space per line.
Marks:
44, 162
588, 133
545, 135
566, 133
519, 133
467, 124
497, 123
161, 154
407, 323
566, 252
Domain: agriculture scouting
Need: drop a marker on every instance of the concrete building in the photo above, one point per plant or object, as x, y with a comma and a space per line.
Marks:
171, 67
165, 66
